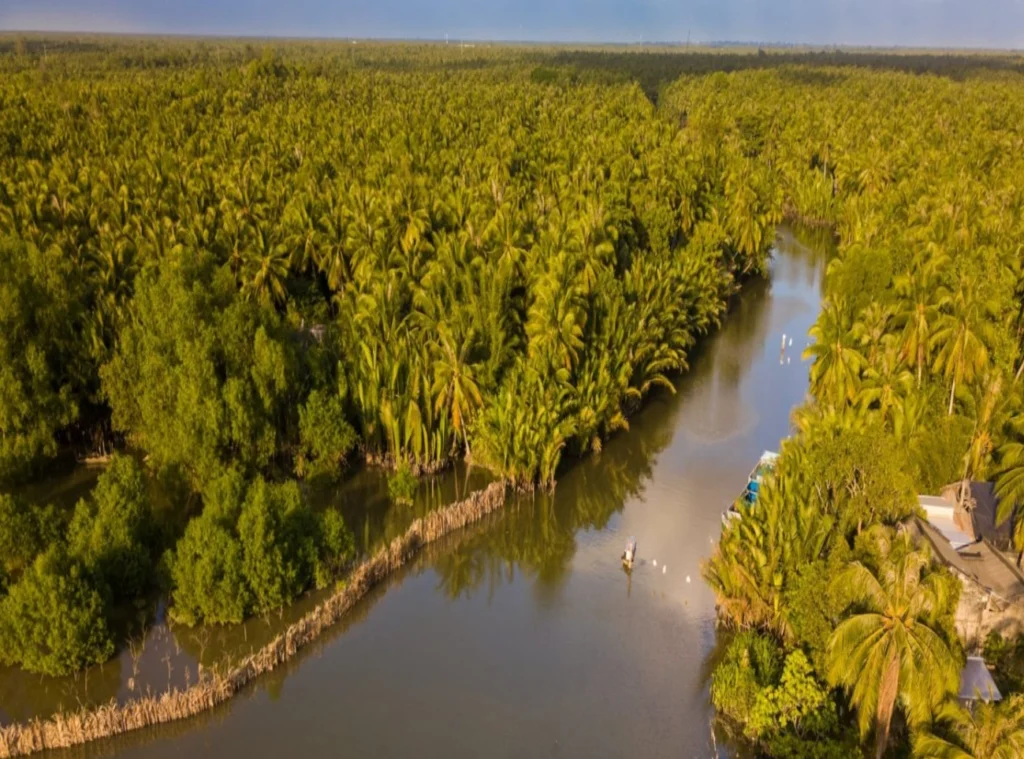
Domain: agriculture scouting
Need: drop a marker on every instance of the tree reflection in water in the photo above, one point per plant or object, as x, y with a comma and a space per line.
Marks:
536, 533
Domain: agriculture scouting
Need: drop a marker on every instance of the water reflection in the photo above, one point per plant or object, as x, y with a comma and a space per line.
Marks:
536, 533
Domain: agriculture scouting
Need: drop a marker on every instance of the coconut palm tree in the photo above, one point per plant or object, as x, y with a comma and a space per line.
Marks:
963, 333
266, 269
916, 290
836, 372
454, 388
886, 383
890, 649
1010, 482
986, 730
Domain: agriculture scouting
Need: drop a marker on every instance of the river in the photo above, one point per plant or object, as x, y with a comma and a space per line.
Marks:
524, 636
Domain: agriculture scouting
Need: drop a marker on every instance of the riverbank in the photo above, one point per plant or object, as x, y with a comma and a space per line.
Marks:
69, 729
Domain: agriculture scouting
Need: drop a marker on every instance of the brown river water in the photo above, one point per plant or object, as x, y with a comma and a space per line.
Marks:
523, 635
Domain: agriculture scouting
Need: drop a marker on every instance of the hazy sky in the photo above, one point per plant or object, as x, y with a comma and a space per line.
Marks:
975, 23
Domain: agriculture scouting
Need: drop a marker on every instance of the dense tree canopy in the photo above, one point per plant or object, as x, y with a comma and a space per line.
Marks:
415, 250
250, 266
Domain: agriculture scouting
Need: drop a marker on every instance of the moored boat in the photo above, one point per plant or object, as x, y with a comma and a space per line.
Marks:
764, 467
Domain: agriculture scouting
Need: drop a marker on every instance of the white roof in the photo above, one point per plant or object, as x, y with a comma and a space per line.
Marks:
940, 515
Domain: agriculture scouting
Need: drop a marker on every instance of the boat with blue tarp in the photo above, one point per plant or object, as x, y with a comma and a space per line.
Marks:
764, 467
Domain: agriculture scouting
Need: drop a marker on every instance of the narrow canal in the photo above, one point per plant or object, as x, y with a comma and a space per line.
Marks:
525, 637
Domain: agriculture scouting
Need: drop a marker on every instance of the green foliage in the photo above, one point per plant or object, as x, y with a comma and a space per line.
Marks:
940, 459
255, 548
201, 377
1006, 657
860, 474
53, 620
797, 697
111, 530
484, 277
402, 484
751, 663
775, 700
26, 530
62, 579
862, 277
325, 435
814, 746
815, 605
39, 374
452, 249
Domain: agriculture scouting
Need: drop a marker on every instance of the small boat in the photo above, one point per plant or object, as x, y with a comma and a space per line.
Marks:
765, 466
629, 555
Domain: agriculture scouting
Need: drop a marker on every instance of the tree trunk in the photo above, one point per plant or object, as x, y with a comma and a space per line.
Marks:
1019, 370
952, 393
961, 512
888, 689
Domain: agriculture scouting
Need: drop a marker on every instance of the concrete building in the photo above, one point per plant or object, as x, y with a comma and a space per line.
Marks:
968, 542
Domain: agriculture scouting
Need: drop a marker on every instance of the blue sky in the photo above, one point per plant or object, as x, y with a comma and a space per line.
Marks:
961, 23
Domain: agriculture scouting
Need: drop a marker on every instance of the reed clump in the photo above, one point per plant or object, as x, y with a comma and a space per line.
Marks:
69, 729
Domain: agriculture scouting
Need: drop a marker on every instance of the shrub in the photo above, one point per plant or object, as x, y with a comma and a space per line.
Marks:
253, 550
110, 530
325, 436
53, 621
337, 547
777, 702
278, 547
402, 484
752, 662
206, 574
25, 531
